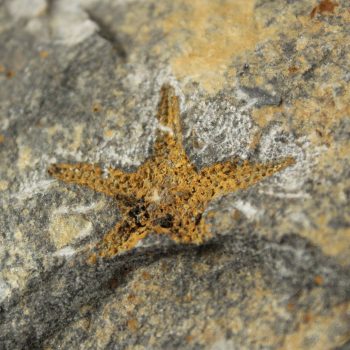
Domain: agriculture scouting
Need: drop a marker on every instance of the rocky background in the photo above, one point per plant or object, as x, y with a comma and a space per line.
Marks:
258, 80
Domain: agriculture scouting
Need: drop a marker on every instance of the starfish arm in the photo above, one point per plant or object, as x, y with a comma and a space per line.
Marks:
169, 134
127, 233
123, 236
92, 176
230, 176
196, 230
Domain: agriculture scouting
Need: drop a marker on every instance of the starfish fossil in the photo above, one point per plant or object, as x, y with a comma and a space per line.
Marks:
167, 194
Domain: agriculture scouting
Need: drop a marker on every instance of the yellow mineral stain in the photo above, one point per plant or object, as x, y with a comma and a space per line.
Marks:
64, 229
52, 130
146, 276
43, 54
10, 74
334, 241
77, 137
256, 325
96, 107
262, 116
108, 133
210, 33
318, 280
261, 307
315, 115
340, 246
18, 235
118, 119
24, 157
3, 185
133, 325
327, 331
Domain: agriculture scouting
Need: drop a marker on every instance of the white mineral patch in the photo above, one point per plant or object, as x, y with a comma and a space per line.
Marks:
295, 195
70, 23
277, 145
166, 129
130, 149
4, 290
4, 123
223, 344
66, 252
65, 229
299, 218
18, 261
26, 8
25, 158
247, 209
123, 151
29, 189
80, 209
220, 127
241, 95
137, 76
155, 196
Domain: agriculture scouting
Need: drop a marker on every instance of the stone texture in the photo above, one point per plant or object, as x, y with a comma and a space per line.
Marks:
258, 80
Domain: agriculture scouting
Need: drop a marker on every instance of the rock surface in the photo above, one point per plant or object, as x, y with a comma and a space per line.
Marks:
257, 80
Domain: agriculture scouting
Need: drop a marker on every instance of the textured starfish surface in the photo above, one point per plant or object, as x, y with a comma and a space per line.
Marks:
167, 194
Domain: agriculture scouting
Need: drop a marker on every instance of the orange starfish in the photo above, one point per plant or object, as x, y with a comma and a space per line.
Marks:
167, 194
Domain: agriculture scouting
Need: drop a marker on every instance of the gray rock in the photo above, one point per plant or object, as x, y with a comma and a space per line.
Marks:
80, 81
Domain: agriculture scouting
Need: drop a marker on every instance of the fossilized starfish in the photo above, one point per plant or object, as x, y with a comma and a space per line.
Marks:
167, 194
